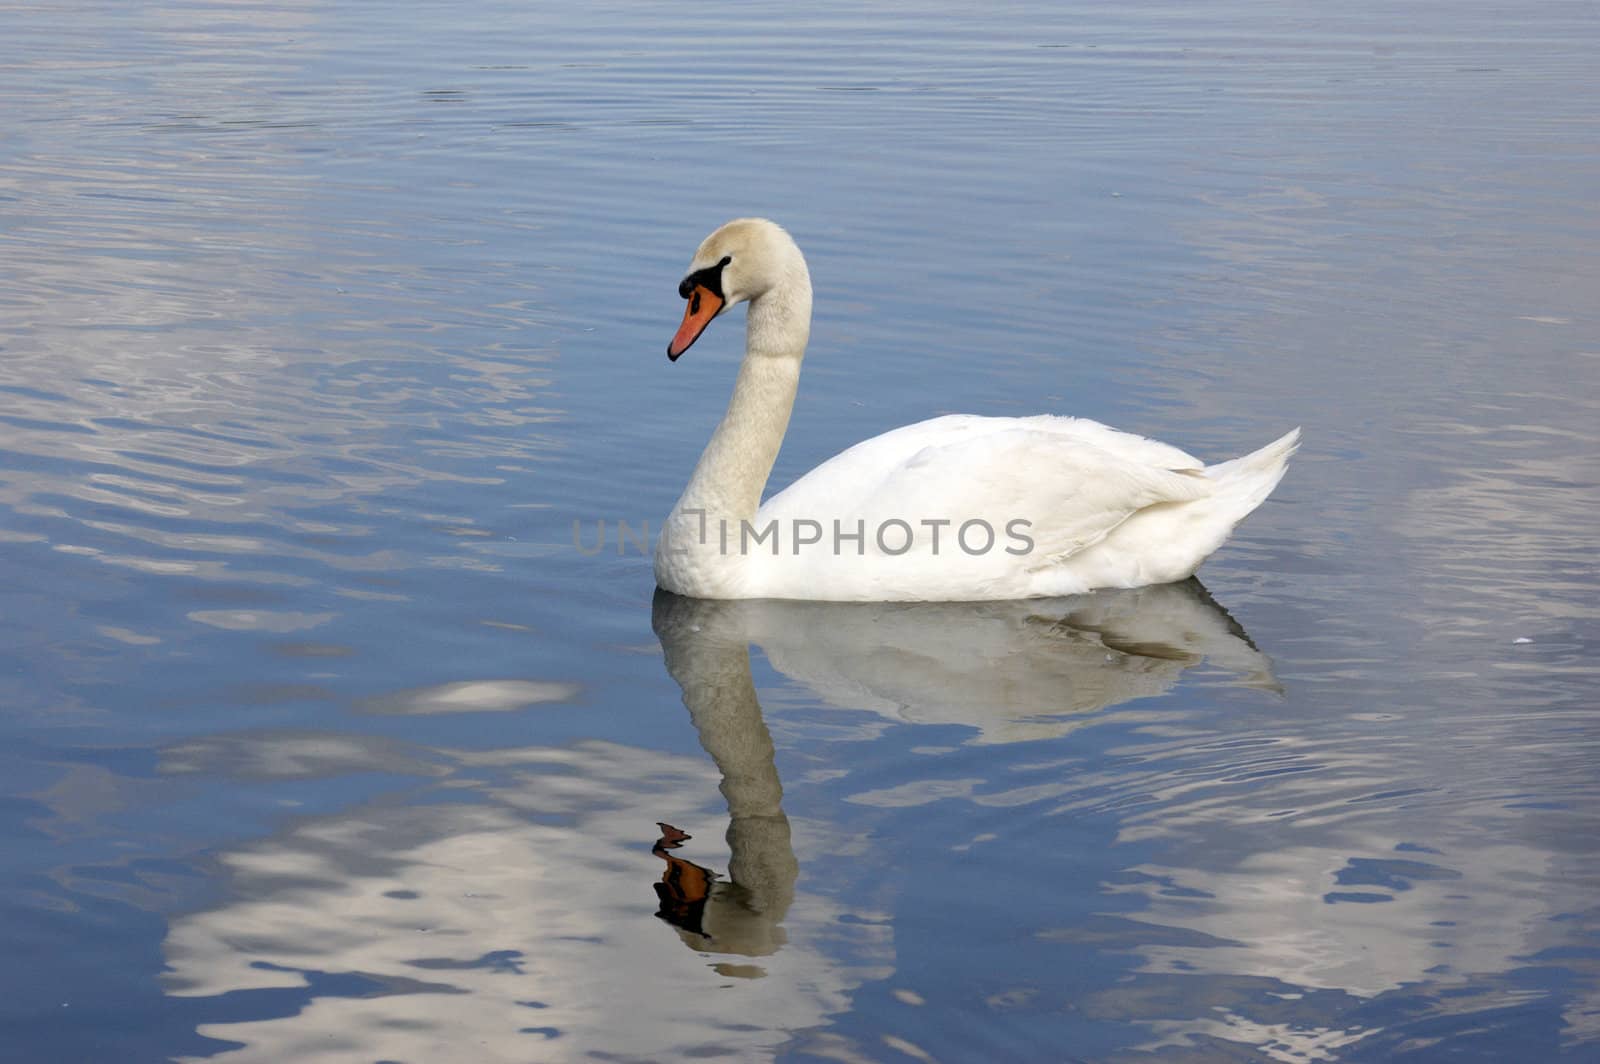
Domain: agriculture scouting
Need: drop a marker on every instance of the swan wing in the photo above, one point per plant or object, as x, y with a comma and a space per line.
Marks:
1071, 480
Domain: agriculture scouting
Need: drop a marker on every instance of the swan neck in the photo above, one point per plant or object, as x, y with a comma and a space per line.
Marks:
733, 470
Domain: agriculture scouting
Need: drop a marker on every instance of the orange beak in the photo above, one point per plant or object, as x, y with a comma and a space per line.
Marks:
703, 306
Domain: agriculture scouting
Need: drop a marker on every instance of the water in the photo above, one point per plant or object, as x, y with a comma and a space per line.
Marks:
321, 741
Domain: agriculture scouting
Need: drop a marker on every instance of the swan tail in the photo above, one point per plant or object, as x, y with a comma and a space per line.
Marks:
1244, 483
1169, 541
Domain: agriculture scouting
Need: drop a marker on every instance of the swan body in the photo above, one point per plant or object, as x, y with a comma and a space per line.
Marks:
955, 508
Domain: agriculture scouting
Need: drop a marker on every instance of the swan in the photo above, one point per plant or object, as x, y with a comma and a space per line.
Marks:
955, 508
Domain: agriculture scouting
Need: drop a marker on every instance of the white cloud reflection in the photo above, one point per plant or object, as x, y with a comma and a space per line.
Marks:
515, 925
472, 696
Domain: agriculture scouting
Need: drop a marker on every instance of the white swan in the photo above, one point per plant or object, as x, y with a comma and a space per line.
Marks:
953, 508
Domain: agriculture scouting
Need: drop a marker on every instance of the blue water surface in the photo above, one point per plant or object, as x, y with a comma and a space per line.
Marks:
321, 739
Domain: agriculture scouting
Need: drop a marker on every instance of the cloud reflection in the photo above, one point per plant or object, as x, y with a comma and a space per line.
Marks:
507, 909
472, 696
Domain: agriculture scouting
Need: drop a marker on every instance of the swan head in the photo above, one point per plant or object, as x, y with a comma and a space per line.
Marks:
742, 261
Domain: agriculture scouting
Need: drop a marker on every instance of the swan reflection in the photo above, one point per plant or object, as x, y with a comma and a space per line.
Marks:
1012, 670
1015, 671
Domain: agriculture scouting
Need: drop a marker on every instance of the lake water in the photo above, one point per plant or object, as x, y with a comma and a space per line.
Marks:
321, 741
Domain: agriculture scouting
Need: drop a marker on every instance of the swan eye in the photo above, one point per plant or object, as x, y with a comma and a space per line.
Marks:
708, 276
